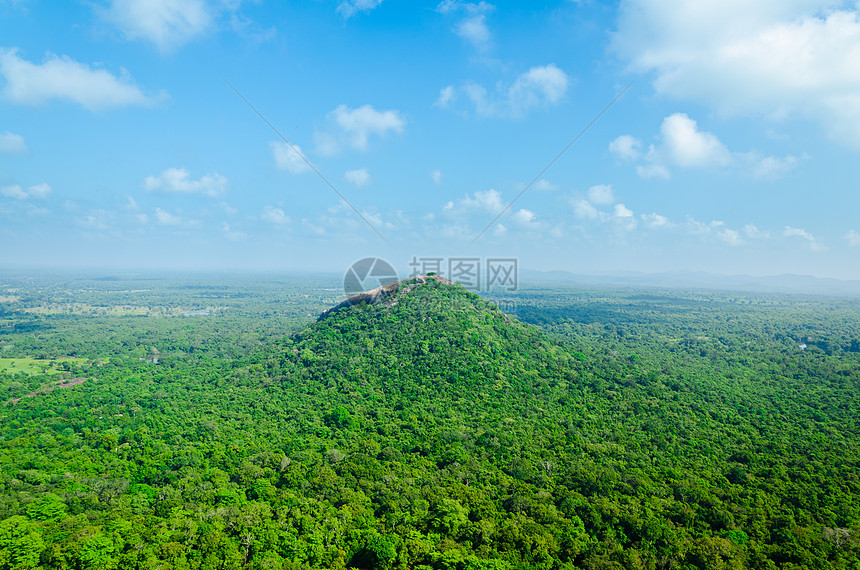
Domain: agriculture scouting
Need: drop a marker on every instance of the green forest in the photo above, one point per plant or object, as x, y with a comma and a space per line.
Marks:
228, 422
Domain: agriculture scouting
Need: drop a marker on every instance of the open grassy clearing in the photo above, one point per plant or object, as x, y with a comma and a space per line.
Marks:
33, 366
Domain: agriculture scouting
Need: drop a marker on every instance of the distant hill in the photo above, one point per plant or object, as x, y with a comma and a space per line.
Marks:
786, 283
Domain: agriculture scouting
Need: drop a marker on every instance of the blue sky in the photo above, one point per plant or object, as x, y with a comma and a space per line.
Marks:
735, 150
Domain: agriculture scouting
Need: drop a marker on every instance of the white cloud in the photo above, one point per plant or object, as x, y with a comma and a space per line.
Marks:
584, 210
349, 8
655, 220
287, 158
274, 215
752, 232
447, 95
360, 177
96, 220
715, 229
487, 200
524, 217
353, 127
774, 58
178, 181
472, 27
771, 167
545, 185
165, 218
436, 177
810, 240
653, 171
474, 30
853, 238
63, 78
683, 144
10, 143
623, 218
39, 191
601, 194
539, 87
731, 237
166, 23
626, 147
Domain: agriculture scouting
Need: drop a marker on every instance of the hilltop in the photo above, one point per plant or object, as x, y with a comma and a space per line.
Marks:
387, 293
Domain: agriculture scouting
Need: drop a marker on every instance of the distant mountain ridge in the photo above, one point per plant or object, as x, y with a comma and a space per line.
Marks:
783, 283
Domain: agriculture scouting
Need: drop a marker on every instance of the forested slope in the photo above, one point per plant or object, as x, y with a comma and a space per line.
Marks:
435, 432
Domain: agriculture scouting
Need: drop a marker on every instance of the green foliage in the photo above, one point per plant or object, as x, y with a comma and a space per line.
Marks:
636, 430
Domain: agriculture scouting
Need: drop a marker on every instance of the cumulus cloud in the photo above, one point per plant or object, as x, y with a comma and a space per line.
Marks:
349, 8
810, 241
653, 171
682, 144
772, 167
624, 218
489, 201
60, 77
853, 238
354, 127
165, 218
545, 185
539, 87
583, 209
730, 236
525, 218
287, 158
772, 58
447, 96
598, 195
178, 181
685, 145
436, 177
601, 194
39, 191
472, 25
12, 144
359, 177
716, 229
655, 220
274, 215
626, 147
751, 231
166, 23
474, 30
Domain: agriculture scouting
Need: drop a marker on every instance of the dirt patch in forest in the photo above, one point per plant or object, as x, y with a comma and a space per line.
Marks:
65, 383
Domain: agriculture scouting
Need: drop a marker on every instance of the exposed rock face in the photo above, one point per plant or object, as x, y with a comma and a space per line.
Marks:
385, 293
